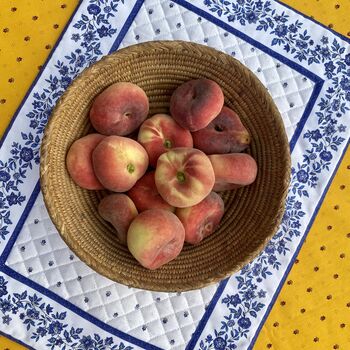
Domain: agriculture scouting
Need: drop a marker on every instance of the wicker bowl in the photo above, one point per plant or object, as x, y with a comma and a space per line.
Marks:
252, 213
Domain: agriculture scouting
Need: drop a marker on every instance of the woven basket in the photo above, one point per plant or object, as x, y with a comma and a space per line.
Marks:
252, 213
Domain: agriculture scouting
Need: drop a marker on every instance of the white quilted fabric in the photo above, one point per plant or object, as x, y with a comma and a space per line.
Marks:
165, 320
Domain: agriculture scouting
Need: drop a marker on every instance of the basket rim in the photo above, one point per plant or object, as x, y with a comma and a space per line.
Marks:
174, 46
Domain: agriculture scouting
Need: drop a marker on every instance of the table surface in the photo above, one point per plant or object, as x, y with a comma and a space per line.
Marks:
313, 307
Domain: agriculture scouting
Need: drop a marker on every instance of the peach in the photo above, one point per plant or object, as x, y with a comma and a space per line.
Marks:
79, 162
233, 170
155, 237
184, 176
196, 103
119, 210
119, 162
119, 109
202, 219
146, 196
160, 133
224, 134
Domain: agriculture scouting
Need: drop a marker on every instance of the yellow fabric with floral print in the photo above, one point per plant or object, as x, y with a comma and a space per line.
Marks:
28, 31
313, 308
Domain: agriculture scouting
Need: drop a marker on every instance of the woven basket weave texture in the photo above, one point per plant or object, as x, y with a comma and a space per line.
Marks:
252, 213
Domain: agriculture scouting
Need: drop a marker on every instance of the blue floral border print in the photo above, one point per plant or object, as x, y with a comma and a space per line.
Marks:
323, 143
44, 323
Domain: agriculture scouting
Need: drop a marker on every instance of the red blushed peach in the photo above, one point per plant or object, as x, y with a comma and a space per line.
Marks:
160, 133
196, 103
155, 237
119, 210
146, 196
119, 162
79, 162
225, 134
184, 176
232, 170
202, 219
119, 110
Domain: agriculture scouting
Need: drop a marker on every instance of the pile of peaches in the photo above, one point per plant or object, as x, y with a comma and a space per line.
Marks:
162, 172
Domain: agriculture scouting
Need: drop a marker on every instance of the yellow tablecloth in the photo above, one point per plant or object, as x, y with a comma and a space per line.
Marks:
313, 308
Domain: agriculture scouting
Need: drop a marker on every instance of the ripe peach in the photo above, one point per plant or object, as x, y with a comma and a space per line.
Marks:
184, 176
196, 103
225, 134
119, 162
146, 196
160, 133
79, 162
202, 219
235, 169
119, 110
155, 237
119, 210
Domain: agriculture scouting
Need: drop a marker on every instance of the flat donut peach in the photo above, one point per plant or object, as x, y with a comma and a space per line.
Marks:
79, 162
119, 110
196, 103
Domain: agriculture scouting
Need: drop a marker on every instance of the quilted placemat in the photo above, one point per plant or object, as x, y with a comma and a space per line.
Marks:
48, 298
